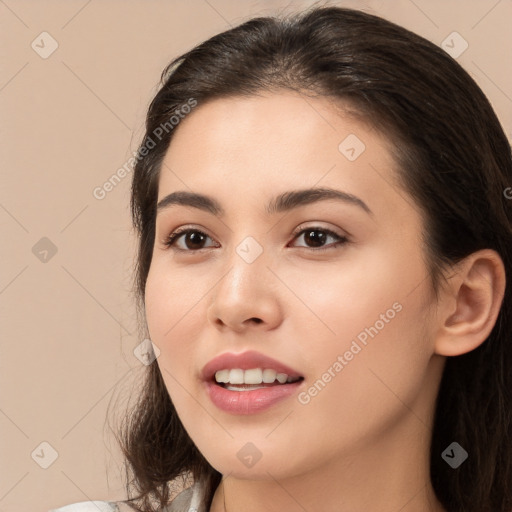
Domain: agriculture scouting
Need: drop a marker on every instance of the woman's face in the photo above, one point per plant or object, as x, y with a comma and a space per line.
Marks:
334, 290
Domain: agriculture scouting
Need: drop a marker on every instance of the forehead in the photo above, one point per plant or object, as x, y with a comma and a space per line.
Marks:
258, 146
286, 122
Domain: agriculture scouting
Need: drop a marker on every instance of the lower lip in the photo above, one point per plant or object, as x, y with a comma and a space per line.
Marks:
249, 402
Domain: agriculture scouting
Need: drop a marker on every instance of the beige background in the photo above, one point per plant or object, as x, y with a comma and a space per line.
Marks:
69, 121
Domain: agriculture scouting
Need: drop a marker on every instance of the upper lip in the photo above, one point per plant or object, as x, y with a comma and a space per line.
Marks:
245, 361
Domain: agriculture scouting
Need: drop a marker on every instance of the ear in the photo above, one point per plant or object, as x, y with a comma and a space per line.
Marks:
469, 304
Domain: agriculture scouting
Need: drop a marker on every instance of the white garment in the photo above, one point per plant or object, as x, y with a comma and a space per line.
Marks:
186, 501
89, 506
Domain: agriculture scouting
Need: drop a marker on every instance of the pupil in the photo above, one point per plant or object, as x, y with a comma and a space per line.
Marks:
317, 240
194, 238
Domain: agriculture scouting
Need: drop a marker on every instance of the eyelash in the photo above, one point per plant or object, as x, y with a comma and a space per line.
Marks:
173, 237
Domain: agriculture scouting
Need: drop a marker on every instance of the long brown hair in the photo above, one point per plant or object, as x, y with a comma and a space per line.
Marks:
455, 162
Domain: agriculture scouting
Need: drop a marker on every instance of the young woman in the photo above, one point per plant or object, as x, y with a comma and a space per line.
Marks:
323, 206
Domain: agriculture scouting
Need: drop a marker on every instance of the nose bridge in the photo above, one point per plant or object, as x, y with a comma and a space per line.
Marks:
248, 274
245, 291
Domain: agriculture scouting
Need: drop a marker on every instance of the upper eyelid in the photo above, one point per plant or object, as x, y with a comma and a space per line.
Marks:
297, 231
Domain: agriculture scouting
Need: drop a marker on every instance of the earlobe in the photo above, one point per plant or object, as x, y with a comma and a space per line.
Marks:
471, 303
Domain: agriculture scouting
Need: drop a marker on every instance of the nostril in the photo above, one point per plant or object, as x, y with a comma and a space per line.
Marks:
257, 320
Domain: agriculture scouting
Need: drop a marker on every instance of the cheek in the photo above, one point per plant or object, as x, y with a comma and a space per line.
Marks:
174, 314
373, 316
359, 295
171, 295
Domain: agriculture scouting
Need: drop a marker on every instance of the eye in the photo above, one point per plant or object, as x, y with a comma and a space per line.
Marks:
192, 238
317, 236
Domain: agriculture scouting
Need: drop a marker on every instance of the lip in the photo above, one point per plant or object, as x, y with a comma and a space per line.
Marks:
247, 402
244, 361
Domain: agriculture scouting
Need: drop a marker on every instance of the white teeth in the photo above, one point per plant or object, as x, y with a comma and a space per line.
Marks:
236, 376
282, 377
222, 376
269, 376
253, 376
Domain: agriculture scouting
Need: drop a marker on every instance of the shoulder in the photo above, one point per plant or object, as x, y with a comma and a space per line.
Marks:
89, 506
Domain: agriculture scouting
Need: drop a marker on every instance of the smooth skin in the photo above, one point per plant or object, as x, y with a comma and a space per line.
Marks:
362, 442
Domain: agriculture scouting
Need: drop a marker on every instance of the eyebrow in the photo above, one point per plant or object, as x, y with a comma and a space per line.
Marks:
283, 202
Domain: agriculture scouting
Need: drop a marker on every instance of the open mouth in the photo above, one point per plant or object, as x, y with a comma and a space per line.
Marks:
236, 379
249, 382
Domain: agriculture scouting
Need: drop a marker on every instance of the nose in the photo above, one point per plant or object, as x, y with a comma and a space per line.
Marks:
246, 297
